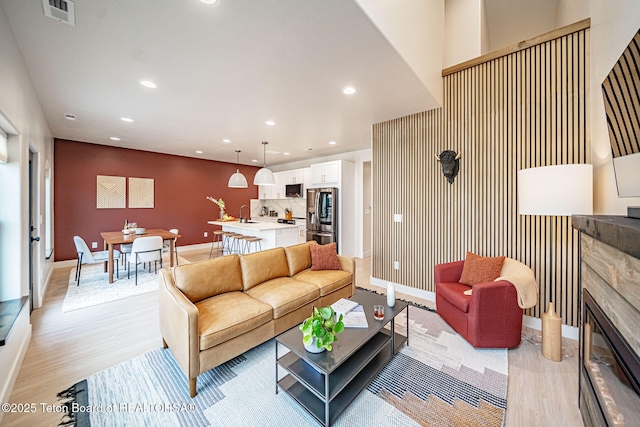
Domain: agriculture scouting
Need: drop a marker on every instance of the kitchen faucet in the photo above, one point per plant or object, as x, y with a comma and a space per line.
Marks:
247, 218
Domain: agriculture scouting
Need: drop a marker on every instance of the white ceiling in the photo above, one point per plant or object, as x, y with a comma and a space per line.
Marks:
221, 73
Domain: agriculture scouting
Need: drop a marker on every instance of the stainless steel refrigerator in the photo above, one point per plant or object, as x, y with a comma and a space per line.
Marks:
322, 215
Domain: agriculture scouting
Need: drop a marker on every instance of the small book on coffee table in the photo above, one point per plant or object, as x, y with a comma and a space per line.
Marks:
355, 318
343, 306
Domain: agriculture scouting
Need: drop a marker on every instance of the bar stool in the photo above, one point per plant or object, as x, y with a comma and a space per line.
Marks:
233, 240
227, 237
256, 241
245, 244
217, 239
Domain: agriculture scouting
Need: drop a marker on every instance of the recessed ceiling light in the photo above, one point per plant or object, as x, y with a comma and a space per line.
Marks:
148, 83
270, 123
285, 153
71, 117
126, 119
349, 90
254, 161
114, 138
199, 151
226, 141
210, 2
332, 142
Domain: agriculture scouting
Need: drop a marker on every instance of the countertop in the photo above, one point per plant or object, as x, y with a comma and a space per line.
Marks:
256, 226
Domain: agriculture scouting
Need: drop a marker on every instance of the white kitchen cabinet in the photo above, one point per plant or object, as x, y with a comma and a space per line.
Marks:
265, 191
302, 233
278, 190
295, 176
325, 173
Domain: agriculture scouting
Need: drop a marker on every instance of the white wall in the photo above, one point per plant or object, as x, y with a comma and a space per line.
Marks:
463, 31
358, 158
415, 29
19, 106
613, 25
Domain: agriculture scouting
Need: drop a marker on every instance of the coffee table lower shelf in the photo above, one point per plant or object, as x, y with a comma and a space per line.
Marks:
307, 386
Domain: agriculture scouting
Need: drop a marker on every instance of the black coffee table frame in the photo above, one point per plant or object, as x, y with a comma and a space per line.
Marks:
326, 383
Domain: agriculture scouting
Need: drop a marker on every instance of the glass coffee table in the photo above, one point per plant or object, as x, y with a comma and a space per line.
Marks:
326, 383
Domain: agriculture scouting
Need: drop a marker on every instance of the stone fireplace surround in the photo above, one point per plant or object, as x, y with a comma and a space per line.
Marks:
609, 278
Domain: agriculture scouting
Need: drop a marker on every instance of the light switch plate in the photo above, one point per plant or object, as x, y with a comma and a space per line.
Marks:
397, 217
94, 245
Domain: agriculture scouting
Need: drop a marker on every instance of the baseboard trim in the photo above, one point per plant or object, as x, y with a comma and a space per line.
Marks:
570, 332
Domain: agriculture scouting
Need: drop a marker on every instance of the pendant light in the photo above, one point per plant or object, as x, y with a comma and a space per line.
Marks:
237, 180
264, 176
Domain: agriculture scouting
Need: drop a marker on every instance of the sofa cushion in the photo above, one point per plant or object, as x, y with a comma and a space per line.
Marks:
299, 257
259, 267
202, 280
324, 257
284, 294
479, 269
454, 293
229, 315
326, 280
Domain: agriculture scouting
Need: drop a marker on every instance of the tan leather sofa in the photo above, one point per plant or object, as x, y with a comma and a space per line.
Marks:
215, 310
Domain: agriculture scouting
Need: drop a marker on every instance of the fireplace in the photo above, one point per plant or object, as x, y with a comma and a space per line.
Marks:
609, 381
609, 371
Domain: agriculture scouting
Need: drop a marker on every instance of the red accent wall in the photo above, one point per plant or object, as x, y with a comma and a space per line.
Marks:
181, 186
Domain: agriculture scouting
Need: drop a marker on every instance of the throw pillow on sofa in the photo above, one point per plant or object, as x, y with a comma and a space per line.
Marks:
479, 269
325, 257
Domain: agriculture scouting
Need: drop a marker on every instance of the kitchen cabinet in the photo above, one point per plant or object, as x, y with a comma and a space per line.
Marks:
325, 173
273, 191
278, 189
302, 233
264, 191
295, 176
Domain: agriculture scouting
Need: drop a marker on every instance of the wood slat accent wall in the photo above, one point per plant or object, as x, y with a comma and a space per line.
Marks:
521, 110
621, 92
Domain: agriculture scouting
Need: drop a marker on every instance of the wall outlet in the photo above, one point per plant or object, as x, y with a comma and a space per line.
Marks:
396, 265
206, 234
397, 217
94, 245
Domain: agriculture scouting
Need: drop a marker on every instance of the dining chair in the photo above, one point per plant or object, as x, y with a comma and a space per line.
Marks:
125, 248
166, 244
85, 256
143, 250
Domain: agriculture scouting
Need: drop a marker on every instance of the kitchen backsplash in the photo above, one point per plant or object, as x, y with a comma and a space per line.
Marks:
298, 207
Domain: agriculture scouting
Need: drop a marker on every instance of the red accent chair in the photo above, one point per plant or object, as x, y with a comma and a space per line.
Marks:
488, 318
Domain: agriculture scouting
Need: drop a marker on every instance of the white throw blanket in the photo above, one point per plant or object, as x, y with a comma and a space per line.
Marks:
523, 280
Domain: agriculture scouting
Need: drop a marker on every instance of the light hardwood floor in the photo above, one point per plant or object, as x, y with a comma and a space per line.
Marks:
68, 347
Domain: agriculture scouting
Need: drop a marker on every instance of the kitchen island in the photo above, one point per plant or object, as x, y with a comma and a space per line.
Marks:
273, 234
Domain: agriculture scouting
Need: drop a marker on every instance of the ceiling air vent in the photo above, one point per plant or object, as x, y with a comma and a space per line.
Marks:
60, 10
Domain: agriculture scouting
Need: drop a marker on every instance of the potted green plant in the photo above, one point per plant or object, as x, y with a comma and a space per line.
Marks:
320, 330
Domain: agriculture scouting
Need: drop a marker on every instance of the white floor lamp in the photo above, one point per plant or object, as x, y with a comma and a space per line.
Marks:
560, 190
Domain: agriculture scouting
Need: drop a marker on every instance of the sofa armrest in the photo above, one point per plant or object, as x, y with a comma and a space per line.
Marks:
179, 325
349, 265
449, 272
495, 302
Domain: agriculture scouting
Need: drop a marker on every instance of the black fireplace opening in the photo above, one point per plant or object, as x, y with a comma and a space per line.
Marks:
609, 371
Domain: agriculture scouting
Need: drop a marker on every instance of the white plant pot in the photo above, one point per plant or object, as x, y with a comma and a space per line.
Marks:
313, 347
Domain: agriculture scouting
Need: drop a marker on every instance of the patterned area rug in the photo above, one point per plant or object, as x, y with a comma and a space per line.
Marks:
439, 380
95, 289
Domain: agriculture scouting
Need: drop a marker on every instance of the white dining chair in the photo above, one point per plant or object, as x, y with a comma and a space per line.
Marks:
85, 256
145, 249
166, 244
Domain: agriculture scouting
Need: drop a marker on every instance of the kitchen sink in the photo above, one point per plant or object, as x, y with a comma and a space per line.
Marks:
248, 222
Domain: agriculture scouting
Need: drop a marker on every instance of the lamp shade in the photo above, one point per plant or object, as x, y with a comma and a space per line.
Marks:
560, 190
264, 176
237, 180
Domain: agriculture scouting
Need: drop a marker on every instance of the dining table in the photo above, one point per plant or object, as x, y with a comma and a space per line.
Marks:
112, 238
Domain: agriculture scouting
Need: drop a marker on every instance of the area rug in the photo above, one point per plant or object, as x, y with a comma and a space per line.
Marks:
95, 288
438, 380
